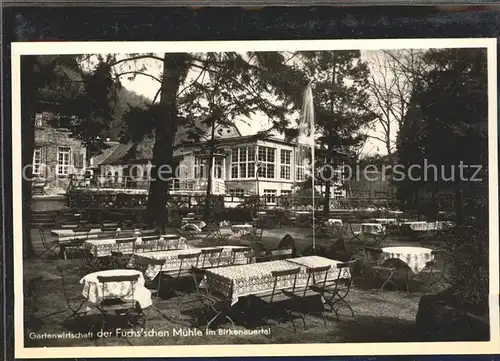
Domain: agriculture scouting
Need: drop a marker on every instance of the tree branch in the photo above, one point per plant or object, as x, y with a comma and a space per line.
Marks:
136, 58
136, 72
192, 83
376, 138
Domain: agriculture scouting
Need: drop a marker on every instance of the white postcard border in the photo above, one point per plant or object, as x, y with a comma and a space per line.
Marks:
48, 48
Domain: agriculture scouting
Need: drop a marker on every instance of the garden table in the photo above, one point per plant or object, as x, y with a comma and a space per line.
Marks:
334, 222
416, 225
251, 279
415, 258
93, 290
172, 262
103, 247
391, 221
372, 228
71, 232
242, 228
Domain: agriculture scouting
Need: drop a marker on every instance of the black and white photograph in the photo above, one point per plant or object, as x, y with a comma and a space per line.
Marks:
265, 194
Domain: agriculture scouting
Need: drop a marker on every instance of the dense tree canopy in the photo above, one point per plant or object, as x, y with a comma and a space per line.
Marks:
446, 126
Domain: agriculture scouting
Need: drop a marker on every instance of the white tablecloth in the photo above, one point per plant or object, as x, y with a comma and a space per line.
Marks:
241, 228
416, 225
255, 278
392, 221
172, 262
103, 247
372, 228
93, 289
71, 232
415, 257
334, 222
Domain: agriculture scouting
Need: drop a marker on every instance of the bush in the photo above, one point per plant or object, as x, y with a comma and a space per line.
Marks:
468, 250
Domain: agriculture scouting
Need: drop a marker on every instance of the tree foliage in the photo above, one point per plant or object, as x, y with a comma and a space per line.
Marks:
446, 126
339, 81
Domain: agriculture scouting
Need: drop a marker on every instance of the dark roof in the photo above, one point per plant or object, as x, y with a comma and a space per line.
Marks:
118, 153
72, 74
105, 153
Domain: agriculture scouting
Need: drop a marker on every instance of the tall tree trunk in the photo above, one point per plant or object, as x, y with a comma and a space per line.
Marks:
326, 201
206, 211
28, 91
389, 149
174, 68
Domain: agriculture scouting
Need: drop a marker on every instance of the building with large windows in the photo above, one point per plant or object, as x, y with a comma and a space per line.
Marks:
242, 166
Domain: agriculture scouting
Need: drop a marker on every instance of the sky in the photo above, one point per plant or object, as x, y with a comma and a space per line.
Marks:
148, 87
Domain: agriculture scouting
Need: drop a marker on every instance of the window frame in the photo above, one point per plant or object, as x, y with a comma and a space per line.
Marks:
36, 167
200, 168
285, 167
300, 168
243, 161
266, 168
237, 192
270, 196
63, 170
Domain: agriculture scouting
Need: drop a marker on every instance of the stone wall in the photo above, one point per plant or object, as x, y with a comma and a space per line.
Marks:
48, 140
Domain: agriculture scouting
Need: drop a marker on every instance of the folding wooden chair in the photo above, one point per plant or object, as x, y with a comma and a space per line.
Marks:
435, 271
120, 306
120, 257
246, 251
304, 297
379, 271
211, 253
187, 262
49, 246
154, 286
77, 244
74, 300
275, 301
215, 302
335, 291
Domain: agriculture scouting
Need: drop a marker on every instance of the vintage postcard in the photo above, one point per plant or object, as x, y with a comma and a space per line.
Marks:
253, 198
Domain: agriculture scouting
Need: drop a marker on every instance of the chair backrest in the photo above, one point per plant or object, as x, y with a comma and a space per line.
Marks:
184, 258
372, 253
198, 274
314, 273
342, 268
142, 263
105, 280
210, 253
121, 242
277, 275
246, 250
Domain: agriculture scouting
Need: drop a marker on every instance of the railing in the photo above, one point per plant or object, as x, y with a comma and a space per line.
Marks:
101, 182
97, 183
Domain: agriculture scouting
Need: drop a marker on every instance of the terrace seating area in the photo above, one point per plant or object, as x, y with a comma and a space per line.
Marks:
262, 276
